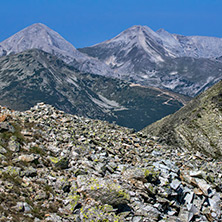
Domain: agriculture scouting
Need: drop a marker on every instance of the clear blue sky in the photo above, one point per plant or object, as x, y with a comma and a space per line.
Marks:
86, 22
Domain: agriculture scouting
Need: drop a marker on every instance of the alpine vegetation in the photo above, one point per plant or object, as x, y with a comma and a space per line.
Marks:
59, 167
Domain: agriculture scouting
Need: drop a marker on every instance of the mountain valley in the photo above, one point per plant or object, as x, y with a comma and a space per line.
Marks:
35, 76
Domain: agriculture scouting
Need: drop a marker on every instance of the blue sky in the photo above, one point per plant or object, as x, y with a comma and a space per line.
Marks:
86, 22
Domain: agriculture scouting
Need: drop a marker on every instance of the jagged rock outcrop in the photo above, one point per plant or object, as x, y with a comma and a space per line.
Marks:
59, 167
196, 126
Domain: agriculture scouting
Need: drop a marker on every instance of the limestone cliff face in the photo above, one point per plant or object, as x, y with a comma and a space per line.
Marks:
197, 126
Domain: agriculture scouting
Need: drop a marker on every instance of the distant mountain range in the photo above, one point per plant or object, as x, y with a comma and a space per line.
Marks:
133, 79
183, 64
34, 76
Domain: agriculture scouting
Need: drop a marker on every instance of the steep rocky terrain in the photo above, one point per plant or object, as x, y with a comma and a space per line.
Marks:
184, 64
39, 36
60, 167
196, 126
36, 76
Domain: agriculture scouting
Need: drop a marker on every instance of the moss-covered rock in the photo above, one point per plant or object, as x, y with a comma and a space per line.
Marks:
60, 163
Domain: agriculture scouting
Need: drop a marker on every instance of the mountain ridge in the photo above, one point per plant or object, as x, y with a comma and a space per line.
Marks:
196, 126
35, 76
138, 55
159, 59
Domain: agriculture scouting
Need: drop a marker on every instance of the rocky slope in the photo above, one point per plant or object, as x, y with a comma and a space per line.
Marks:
35, 76
180, 63
39, 36
196, 126
59, 167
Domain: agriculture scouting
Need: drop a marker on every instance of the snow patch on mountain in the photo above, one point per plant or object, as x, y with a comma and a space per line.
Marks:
113, 104
173, 73
103, 102
73, 81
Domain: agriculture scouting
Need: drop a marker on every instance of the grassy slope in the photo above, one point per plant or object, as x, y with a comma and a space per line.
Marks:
197, 126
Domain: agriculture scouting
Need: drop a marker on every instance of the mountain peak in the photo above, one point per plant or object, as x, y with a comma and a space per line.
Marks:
41, 25
161, 30
132, 31
37, 27
36, 30
135, 27
41, 37
137, 33
138, 28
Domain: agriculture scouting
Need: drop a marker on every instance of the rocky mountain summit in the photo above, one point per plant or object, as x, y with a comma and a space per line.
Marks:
184, 64
196, 126
39, 36
60, 167
35, 76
